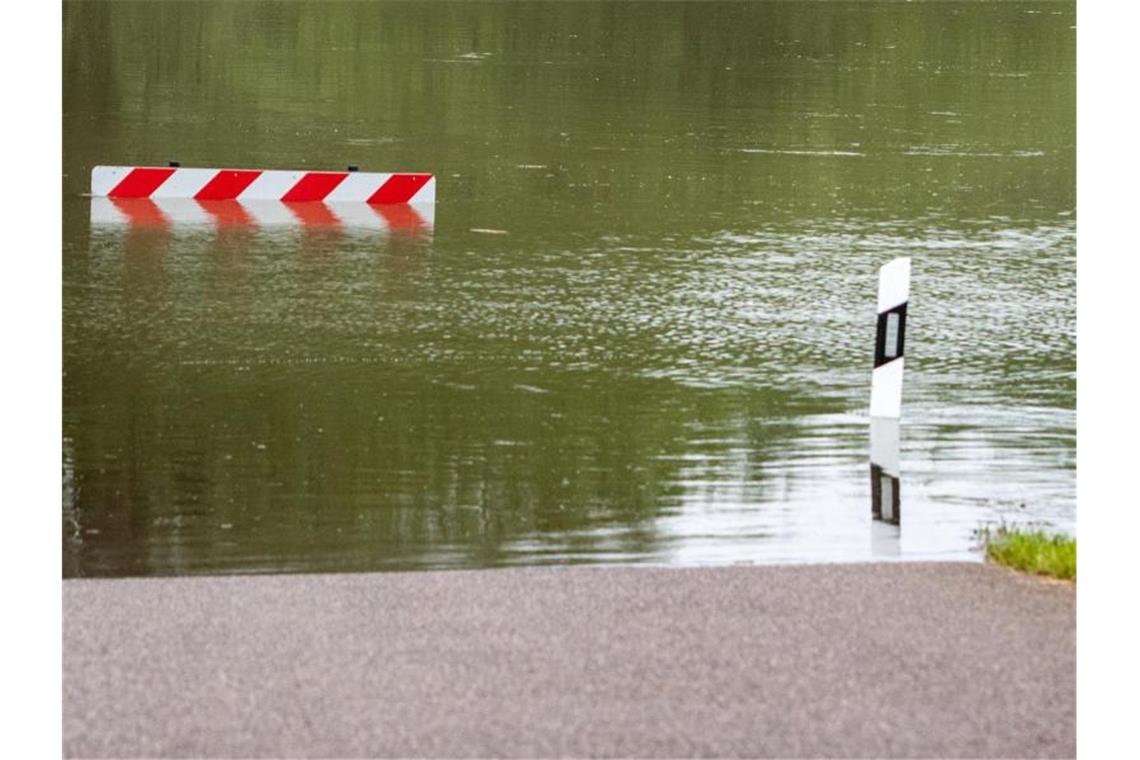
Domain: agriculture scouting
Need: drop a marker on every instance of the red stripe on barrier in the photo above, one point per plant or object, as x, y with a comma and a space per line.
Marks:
314, 186
227, 185
140, 183
399, 188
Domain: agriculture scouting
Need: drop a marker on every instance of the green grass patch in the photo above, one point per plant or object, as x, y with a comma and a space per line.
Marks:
1031, 551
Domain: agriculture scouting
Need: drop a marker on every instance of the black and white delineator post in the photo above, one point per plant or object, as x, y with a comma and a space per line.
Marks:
886, 389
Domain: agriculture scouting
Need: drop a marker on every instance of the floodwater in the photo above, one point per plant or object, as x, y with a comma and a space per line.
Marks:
638, 327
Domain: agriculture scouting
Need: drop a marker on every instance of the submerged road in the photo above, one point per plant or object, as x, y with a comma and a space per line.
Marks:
879, 660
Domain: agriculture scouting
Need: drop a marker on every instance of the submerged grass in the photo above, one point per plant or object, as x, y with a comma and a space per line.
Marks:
1031, 551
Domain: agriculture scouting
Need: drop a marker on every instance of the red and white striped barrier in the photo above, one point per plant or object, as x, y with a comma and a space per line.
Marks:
257, 185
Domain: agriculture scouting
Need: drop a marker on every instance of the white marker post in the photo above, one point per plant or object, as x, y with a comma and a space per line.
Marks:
886, 377
886, 389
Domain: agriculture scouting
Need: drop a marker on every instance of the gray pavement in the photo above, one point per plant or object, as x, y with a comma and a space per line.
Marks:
875, 660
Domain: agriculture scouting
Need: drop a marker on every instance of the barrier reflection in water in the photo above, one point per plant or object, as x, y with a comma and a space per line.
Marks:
176, 213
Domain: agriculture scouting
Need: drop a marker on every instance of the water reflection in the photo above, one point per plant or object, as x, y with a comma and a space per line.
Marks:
187, 213
886, 496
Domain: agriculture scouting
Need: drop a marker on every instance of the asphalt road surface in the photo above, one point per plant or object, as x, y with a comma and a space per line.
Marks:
875, 660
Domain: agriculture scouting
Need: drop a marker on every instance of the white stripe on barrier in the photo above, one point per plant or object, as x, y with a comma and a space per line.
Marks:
270, 186
425, 196
356, 187
184, 183
104, 178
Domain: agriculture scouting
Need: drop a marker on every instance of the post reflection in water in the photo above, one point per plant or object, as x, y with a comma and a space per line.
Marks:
885, 493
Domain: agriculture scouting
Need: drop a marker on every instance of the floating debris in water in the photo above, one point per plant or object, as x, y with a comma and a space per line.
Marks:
798, 152
530, 388
371, 140
472, 57
952, 150
484, 231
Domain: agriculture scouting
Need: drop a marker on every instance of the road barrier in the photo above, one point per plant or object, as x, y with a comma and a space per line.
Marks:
262, 185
